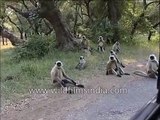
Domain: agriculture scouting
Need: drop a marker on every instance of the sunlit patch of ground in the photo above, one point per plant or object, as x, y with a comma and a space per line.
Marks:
140, 65
128, 61
9, 45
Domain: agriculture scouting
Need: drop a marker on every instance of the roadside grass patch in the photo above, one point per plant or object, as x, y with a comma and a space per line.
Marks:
35, 73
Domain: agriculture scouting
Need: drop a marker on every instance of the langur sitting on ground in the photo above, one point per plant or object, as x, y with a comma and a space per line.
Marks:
59, 76
118, 61
82, 63
85, 43
114, 68
101, 44
116, 47
85, 46
151, 68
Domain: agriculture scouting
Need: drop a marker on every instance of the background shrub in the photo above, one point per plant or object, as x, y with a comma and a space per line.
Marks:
35, 47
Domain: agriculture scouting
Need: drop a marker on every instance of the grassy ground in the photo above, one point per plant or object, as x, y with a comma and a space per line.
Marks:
35, 73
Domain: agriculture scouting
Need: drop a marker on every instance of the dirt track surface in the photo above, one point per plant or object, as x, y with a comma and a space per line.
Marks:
87, 106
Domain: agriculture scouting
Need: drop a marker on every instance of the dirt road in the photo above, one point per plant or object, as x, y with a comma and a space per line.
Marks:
87, 106
118, 106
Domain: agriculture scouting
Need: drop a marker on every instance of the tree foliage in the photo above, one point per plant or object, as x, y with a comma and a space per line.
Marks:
35, 47
114, 19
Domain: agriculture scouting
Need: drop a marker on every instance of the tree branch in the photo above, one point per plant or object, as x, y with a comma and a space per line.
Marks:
155, 25
135, 24
7, 34
14, 23
157, 1
50, 28
28, 15
24, 4
24, 14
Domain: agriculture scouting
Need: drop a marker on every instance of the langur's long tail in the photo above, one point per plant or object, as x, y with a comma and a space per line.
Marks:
77, 85
80, 86
126, 73
140, 73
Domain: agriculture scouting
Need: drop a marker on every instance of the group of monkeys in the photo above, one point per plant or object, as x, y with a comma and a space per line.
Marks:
114, 66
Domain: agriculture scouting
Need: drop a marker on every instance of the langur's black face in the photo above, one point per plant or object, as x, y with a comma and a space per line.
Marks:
152, 57
112, 52
117, 43
59, 64
84, 37
111, 58
81, 57
100, 37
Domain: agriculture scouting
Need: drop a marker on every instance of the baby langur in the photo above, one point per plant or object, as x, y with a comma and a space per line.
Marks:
101, 44
151, 68
118, 61
82, 63
116, 47
59, 76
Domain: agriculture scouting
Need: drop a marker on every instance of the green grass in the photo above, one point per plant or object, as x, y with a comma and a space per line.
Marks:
35, 73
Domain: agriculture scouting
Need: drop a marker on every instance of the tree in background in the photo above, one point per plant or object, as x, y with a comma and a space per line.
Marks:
64, 37
65, 19
115, 8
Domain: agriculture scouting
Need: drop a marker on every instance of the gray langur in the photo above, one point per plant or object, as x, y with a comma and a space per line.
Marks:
85, 46
118, 61
114, 68
82, 63
85, 43
101, 44
59, 76
151, 68
116, 47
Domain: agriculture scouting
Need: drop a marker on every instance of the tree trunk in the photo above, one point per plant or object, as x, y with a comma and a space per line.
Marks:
135, 24
21, 35
76, 20
114, 17
3, 41
149, 35
134, 6
13, 39
87, 5
25, 35
65, 40
144, 3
